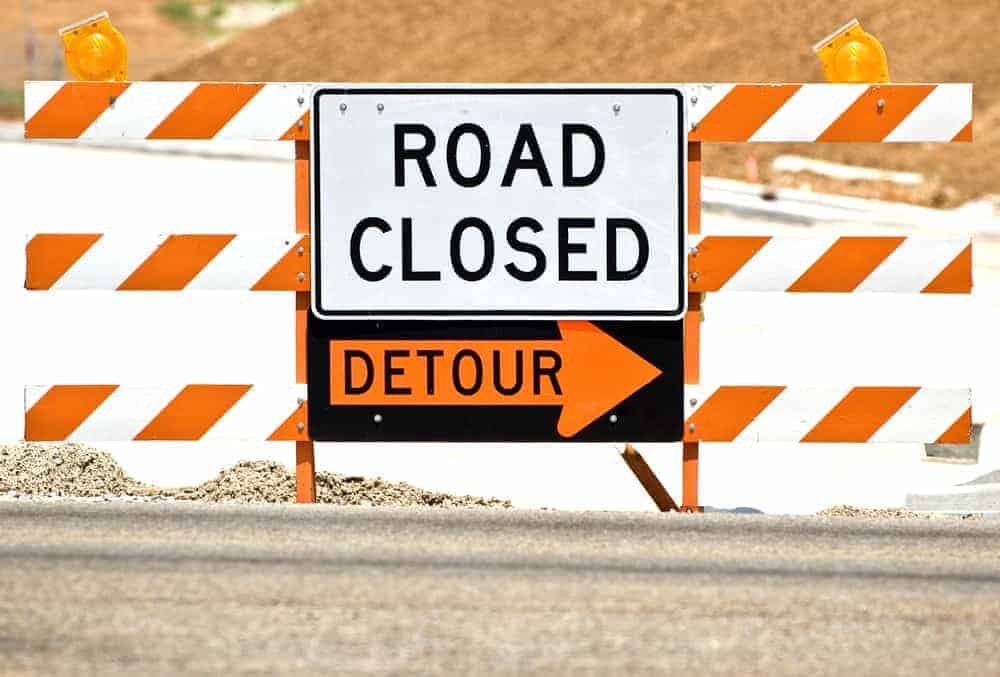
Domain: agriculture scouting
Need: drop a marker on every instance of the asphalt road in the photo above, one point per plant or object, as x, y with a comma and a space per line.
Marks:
167, 589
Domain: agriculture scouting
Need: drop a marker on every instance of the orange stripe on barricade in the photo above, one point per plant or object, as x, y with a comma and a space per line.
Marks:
289, 430
298, 131
49, 256
956, 278
290, 273
846, 264
206, 110
193, 412
718, 258
742, 112
175, 262
965, 134
62, 409
860, 414
960, 431
867, 120
727, 411
72, 110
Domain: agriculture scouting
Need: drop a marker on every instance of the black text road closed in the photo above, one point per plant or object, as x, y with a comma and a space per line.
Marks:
433, 203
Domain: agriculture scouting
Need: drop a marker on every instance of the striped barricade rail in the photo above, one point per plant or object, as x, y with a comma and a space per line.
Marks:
259, 262
754, 413
56, 261
179, 413
280, 111
715, 414
830, 264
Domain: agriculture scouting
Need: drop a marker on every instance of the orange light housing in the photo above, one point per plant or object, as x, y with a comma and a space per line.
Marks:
95, 50
849, 54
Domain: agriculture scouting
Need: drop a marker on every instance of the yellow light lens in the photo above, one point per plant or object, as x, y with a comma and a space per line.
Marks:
95, 50
852, 55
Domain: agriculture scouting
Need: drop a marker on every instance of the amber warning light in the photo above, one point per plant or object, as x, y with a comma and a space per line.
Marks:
95, 50
849, 54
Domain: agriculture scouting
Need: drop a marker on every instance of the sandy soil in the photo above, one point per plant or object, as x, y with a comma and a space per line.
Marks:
647, 40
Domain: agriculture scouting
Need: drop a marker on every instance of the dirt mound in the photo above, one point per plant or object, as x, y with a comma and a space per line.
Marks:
881, 513
643, 41
76, 470
63, 470
270, 482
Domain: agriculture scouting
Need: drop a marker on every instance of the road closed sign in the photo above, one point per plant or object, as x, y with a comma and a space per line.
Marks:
481, 203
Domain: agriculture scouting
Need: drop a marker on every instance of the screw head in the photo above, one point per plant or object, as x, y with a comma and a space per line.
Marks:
300, 401
300, 251
377, 418
343, 107
300, 124
617, 108
694, 98
301, 276
693, 401
613, 418
880, 105
694, 275
301, 100
380, 107
694, 251
691, 427
301, 426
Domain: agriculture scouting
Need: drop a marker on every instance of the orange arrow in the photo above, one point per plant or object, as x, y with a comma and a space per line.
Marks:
586, 371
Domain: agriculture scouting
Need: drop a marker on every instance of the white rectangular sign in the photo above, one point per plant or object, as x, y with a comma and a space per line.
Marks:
466, 202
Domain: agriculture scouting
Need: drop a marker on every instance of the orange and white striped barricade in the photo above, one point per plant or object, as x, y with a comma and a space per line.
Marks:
188, 412
716, 113
280, 111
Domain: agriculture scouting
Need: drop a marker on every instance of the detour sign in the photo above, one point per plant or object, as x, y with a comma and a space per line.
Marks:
560, 372
510, 381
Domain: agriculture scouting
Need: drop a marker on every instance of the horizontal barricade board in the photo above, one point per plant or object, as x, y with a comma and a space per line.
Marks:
719, 112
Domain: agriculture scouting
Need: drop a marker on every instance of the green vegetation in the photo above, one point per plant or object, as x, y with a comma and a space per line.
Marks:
197, 16
11, 103
201, 15
181, 11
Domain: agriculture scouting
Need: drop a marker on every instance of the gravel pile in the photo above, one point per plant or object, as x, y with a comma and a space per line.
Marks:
270, 482
76, 470
63, 470
851, 511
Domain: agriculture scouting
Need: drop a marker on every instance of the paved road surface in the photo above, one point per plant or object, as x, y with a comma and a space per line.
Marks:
166, 589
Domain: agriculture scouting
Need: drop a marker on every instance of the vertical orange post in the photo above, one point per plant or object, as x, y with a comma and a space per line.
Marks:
692, 331
305, 468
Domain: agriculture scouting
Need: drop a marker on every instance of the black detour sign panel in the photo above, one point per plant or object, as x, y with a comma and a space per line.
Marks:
570, 380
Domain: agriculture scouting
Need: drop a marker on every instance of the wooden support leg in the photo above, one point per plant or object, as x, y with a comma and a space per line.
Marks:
305, 467
650, 482
692, 369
